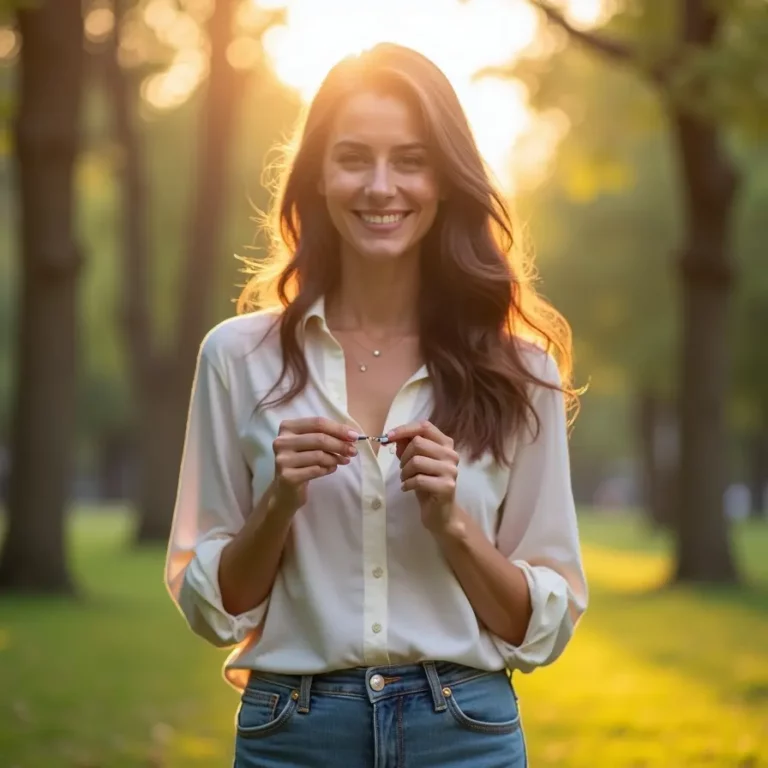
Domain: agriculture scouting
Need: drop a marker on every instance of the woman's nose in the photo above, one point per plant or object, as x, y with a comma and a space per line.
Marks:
381, 184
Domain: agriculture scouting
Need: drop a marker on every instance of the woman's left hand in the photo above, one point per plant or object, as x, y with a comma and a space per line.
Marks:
429, 466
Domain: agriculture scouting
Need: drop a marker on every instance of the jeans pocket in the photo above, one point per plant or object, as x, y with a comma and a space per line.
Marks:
264, 708
486, 704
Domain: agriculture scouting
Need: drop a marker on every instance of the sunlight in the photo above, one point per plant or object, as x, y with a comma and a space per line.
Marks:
172, 88
9, 43
99, 24
460, 37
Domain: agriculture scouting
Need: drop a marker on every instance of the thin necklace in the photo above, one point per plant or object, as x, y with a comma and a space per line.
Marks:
363, 367
377, 352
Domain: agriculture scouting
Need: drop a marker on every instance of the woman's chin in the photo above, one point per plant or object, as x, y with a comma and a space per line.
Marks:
382, 251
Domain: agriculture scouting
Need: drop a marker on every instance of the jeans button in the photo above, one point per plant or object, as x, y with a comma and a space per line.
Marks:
377, 682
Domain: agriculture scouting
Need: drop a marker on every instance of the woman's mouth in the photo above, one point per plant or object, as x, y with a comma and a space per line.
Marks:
382, 222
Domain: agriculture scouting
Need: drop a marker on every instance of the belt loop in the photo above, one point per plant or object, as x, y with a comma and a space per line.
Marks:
304, 690
438, 697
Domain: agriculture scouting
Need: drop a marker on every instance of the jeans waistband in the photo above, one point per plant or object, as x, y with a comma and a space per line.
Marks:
376, 683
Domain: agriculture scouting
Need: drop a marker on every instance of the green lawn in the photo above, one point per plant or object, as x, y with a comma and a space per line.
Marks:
667, 678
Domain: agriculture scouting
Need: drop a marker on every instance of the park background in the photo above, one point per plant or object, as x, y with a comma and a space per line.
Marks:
137, 144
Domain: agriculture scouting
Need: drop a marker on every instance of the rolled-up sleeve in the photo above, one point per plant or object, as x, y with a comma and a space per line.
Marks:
538, 531
213, 499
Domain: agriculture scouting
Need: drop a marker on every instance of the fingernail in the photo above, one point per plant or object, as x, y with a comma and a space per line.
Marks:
352, 450
352, 435
344, 459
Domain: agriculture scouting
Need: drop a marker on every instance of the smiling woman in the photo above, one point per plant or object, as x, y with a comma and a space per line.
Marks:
378, 603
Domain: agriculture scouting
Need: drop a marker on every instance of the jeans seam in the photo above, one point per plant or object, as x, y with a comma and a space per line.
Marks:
471, 678
318, 687
259, 731
400, 735
270, 681
475, 725
261, 697
376, 746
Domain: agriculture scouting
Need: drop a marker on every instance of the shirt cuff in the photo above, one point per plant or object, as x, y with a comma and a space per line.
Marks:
200, 600
550, 627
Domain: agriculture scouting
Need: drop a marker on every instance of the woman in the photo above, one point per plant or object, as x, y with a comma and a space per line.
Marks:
378, 590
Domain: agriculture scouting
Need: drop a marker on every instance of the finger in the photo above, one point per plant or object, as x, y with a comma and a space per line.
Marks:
294, 460
315, 441
321, 425
437, 486
425, 428
421, 446
423, 465
305, 474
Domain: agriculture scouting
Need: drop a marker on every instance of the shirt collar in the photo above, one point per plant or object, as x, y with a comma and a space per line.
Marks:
316, 311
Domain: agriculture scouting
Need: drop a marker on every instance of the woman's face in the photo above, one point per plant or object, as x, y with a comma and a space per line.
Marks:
378, 179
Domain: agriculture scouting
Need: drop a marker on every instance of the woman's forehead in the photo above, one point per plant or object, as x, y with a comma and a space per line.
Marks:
372, 118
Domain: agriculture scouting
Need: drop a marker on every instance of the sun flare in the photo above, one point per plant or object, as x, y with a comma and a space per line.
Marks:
460, 36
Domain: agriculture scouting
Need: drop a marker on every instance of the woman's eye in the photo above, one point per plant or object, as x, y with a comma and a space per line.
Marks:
412, 161
351, 158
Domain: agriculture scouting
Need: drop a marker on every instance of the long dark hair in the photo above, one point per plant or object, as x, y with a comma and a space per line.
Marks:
478, 305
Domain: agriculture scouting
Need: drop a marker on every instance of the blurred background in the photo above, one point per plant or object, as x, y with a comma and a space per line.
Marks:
137, 144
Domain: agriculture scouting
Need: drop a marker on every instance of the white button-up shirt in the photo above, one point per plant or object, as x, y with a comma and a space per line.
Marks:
361, 581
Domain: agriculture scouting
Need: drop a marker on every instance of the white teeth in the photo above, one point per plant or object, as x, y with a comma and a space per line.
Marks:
369, 218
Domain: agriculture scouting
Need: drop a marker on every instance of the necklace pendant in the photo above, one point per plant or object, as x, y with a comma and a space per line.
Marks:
377, 353
363, 368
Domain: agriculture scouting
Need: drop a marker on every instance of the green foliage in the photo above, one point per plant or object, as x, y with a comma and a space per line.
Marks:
750, 319
7, 303
170, 139
606, 222
724, 80
646, 680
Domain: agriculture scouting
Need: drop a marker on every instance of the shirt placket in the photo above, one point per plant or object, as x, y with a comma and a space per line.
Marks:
375, 576
374, 470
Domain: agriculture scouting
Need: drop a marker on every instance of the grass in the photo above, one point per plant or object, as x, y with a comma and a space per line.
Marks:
658, 677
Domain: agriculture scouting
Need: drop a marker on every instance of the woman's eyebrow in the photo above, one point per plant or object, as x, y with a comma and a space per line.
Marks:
413, 146
348, 144
359, 145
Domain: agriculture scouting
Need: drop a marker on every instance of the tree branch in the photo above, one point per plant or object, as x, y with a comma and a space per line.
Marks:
701, 22
601, 44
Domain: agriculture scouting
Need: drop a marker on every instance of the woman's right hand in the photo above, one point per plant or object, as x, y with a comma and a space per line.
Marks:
305, 449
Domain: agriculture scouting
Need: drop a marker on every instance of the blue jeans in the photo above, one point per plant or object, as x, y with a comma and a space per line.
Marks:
414, 716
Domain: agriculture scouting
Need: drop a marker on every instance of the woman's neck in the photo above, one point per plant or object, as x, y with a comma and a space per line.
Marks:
377, 298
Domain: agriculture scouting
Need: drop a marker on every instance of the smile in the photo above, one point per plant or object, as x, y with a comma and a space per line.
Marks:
382, 221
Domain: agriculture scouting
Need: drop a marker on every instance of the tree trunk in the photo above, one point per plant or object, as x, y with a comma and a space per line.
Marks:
708, 186
704, 552
161, 379
115, 451
46, 139
161, 424
758, 474
161, 454
659, 452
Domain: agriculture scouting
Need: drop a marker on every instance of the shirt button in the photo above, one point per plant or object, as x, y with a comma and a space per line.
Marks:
376, 503
376, 627
378, 573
